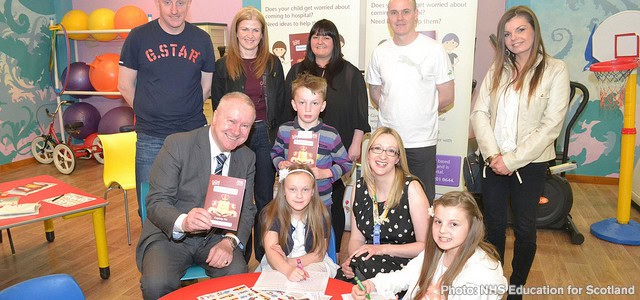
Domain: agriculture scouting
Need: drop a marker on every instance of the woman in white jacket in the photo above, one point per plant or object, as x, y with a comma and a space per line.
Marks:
518, 115
456, 264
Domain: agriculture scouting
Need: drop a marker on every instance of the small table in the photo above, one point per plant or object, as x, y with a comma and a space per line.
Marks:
335, 287
49, 211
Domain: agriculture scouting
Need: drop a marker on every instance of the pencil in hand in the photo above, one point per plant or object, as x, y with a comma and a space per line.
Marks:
357, 276
306, 275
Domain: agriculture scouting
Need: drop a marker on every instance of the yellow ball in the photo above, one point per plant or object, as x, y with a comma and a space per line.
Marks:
76, 20
102, 19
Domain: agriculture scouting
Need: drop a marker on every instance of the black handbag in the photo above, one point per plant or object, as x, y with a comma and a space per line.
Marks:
472, 173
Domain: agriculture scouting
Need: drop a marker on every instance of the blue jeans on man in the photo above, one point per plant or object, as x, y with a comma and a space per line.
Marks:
147, 148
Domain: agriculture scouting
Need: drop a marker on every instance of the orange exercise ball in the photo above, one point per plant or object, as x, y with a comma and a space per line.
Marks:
128, 17
103, 73
102, 19
76, 20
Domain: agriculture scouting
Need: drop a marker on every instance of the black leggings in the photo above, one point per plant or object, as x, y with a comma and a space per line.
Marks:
337, 212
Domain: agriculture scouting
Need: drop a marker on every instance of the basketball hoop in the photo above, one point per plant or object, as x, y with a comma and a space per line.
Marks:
612, 78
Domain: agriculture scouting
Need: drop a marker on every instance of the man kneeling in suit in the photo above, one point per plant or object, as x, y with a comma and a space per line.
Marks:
173, 236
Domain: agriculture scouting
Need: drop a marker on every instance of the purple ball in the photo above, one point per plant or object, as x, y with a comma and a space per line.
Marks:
116, 118
85, 113
78, 78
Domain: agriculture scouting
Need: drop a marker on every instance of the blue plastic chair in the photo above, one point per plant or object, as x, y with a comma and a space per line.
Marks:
193, 272
331, 250
52, 287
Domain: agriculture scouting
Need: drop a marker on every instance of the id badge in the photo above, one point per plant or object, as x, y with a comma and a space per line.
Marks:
376, 234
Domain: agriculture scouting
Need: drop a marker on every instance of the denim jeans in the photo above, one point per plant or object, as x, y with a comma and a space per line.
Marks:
258, 141
147, 148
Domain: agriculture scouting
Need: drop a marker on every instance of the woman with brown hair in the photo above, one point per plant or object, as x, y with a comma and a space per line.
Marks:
248, 67
516, 119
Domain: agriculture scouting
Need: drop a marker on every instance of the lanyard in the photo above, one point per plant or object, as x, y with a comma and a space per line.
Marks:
378, 220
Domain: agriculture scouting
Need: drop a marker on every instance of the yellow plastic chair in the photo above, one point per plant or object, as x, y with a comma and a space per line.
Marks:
119, 150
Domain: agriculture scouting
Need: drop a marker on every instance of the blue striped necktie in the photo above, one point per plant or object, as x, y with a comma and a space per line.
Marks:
220, 159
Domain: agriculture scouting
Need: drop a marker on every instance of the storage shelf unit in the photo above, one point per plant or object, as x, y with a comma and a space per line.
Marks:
217, 31
56, 79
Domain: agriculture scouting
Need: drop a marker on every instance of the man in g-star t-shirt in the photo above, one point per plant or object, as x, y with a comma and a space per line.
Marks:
166, 68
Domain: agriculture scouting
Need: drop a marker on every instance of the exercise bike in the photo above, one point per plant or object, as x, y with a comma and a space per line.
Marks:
556, 201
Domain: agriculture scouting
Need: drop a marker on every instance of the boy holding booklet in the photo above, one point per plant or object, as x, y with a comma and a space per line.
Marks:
331, 160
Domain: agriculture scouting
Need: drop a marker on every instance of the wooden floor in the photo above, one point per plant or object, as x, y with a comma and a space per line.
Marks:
558, 263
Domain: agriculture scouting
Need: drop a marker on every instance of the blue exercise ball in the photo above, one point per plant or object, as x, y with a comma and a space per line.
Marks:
78, 78
85, 113
114, 119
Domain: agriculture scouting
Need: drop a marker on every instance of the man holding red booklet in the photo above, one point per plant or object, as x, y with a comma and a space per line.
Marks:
179, 230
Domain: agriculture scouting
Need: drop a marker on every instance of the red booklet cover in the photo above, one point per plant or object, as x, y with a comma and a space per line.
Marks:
224, 201
303, 147
298, 46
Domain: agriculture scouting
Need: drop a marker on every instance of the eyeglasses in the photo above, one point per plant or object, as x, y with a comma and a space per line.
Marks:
389, 151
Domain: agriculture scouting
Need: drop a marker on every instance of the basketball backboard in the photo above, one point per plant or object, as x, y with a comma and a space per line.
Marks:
626, 45
617, 36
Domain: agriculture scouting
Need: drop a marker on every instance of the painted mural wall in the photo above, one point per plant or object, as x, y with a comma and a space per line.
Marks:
24, 76
566, 27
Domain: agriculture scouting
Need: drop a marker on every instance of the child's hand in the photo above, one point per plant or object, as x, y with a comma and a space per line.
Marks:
358, 293
297, 274
284, 164
321, 173
433, 292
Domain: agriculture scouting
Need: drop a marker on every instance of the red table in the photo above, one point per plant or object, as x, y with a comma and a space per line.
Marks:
335, 288
49, 211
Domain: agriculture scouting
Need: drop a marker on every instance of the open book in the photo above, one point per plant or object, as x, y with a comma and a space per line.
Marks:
19, 210
238, 292
274, 280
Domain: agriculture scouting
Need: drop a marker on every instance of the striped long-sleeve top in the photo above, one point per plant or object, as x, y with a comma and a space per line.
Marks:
331, 154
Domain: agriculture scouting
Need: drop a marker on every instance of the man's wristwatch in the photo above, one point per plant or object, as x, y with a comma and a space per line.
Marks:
490, 158
233, 241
